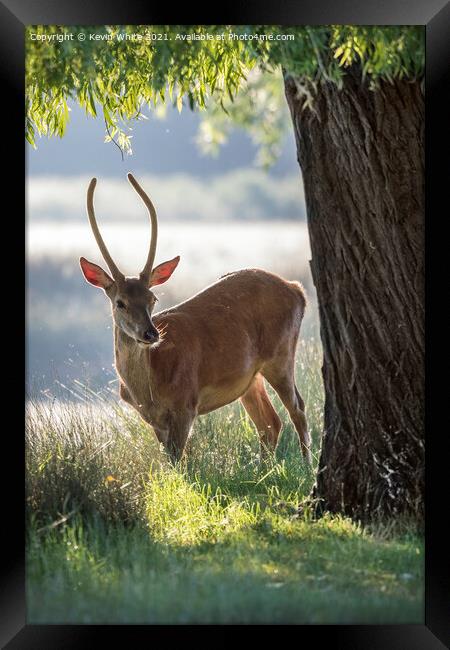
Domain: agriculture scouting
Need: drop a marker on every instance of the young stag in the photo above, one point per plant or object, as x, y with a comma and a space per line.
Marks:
206, 352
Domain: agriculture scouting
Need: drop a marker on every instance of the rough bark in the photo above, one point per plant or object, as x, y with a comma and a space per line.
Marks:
362, 158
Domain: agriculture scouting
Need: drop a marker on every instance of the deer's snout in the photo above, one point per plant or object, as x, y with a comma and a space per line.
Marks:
151, 335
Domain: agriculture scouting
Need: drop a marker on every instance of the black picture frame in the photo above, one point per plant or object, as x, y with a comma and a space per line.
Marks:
435, 16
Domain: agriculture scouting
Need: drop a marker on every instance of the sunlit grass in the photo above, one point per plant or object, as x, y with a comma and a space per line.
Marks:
116, 534
222, 567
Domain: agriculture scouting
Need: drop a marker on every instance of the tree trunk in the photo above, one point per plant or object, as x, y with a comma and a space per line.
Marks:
362, 157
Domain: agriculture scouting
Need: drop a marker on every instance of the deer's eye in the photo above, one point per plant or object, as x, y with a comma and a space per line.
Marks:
120, 304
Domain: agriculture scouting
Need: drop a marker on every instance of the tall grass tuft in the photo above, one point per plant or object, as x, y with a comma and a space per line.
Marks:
91, 460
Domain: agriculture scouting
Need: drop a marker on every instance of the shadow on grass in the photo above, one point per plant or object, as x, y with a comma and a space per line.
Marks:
268, 571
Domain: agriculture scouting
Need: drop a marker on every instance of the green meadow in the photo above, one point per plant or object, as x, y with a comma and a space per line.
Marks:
115, 534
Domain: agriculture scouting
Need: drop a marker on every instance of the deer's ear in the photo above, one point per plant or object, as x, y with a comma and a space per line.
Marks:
163, 271
95, 274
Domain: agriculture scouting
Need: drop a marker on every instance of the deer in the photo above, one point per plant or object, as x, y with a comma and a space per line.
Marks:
220, 345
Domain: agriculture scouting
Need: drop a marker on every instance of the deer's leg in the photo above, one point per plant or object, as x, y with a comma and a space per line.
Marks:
179, 426
259, 407
160, 433
281, 377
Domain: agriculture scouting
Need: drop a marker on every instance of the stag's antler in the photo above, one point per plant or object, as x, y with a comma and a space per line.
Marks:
147, 270
117, 275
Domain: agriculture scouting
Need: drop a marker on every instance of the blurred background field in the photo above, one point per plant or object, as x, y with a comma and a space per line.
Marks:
219, 213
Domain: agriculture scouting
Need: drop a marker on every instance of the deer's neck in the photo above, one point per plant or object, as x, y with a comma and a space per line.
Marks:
132, 365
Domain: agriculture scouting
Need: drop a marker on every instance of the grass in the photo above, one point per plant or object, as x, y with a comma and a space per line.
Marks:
117, 535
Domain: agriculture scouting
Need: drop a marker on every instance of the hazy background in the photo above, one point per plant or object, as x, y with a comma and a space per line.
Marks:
219, 214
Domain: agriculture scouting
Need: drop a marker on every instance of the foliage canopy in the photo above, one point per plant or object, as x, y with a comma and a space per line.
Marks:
126, 69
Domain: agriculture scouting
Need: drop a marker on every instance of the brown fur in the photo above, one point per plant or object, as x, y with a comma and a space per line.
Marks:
206, 352
217, 347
